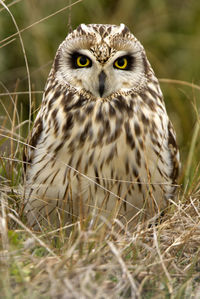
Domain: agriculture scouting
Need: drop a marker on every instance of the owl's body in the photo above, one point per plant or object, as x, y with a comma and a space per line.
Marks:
102, 143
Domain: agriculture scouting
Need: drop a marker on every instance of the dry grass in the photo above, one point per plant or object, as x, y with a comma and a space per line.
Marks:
157, 261
161, 260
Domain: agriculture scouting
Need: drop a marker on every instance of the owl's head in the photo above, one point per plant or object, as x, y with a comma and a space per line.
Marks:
102, 60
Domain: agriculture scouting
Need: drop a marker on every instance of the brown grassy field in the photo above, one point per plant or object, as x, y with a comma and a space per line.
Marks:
154, 260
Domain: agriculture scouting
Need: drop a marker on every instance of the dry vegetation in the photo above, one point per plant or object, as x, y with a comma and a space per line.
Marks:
159, 259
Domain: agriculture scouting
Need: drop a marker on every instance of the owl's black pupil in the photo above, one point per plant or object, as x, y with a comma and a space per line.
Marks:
83, 60
121, 61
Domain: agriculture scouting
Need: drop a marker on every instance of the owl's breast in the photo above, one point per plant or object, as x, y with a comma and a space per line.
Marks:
113, 144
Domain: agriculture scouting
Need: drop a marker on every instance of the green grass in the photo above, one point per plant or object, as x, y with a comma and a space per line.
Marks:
160, 261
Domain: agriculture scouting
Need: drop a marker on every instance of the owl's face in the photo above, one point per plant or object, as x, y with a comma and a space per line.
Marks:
102, 60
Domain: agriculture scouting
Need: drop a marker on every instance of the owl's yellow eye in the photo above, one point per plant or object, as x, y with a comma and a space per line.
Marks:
121, 63
83, 61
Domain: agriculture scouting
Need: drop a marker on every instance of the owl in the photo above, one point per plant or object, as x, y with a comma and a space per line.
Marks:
102, 145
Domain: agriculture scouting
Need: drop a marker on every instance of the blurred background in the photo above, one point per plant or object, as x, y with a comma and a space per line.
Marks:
168, 29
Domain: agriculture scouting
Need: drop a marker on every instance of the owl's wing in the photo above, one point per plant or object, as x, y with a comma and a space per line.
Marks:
32, 141
175, 159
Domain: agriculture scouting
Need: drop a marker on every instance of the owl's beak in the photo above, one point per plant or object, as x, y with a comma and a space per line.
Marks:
102, 79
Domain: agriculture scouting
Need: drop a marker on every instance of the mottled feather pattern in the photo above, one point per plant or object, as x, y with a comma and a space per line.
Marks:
110, 156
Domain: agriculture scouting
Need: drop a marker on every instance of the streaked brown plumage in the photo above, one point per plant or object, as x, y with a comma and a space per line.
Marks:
102, 143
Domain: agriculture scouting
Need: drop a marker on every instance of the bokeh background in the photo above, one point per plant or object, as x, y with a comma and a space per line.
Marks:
168, 29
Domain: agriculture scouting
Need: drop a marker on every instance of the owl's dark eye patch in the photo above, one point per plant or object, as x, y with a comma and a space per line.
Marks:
79, 60
124, 63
